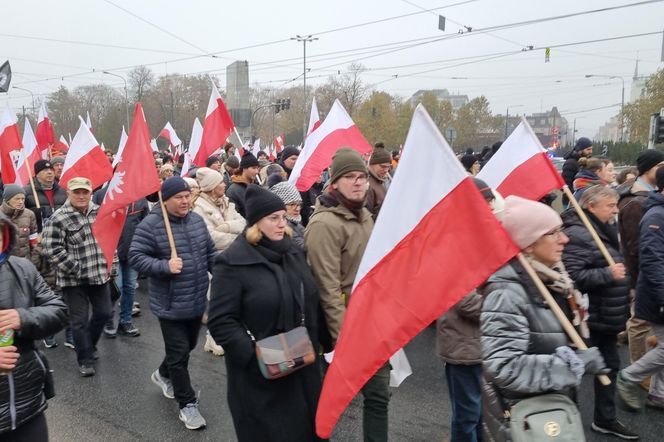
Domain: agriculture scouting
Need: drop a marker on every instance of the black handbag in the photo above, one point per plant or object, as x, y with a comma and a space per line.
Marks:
49, 383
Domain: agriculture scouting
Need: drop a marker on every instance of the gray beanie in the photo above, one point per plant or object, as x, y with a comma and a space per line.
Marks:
287, 192
11, 190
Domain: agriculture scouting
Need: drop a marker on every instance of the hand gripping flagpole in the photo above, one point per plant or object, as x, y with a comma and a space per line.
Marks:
591, 229
169, 232
32, 183
557, 311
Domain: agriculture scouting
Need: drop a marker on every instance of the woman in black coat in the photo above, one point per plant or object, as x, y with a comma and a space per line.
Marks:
257, 286
607, 287
32, 311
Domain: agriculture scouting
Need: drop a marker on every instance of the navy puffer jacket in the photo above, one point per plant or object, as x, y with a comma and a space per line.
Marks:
174, 296
650, 286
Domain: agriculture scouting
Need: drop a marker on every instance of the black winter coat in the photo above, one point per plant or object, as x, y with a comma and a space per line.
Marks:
42, 314
570, 168
609, 299
650, 286
174, 296
46, 210
246, 292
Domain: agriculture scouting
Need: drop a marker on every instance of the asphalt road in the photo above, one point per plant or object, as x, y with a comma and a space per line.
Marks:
120, 403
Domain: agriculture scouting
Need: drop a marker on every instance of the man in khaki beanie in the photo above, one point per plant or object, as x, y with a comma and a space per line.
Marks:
336, 236
380, 165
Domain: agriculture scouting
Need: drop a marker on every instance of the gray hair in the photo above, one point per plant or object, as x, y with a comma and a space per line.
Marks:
595, 193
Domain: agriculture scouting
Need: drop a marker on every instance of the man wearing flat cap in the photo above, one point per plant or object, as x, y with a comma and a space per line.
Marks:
80, 269
178, 288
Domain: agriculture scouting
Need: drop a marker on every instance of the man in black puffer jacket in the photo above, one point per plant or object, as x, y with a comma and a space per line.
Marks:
582, 148
608, 292
178, 288
33, 311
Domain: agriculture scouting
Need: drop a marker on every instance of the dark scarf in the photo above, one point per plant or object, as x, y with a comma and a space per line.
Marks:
333, 198
609, 230
289, 276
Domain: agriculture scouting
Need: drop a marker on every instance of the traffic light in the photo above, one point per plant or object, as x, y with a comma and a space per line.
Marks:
277, 106
285, 104
659, 129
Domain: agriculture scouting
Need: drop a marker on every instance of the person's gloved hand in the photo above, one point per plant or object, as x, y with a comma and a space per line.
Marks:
593, 361
576, 365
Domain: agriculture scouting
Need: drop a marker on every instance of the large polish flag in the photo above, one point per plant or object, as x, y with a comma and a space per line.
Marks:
217, 127
10, 140
169, 133
29, 155
521, 166
121, 146
338, 130
86, 159
194, 145
410, 272
45, 134
314, 118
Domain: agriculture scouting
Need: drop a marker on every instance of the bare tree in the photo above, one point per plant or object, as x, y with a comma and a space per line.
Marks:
141, 79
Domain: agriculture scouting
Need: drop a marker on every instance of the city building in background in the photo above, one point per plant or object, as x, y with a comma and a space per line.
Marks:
237, 97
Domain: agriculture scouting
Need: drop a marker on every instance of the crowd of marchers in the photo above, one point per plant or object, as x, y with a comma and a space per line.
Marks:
257, 260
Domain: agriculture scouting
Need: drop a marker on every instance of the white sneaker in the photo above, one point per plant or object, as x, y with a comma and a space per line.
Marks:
165, 384
192, 417
212, 346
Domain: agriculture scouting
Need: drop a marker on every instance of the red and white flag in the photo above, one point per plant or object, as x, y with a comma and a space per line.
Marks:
86, 159
121, 146
400, 288
134, 178
272, 156
257, 147
314, 118
194, 145
279, 143
338, 130
169, 133
153, 145
217, 127
10, 140
521, 166
61, 147
30, 151
45, 134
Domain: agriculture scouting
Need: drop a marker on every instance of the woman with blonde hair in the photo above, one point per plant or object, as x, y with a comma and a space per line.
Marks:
261, 287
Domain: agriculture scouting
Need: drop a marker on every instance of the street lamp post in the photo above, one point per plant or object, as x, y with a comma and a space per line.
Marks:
125, 91
33, 98
622, 101
507, 116
304, 39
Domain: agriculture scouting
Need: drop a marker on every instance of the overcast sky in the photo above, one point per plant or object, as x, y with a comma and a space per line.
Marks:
490, 64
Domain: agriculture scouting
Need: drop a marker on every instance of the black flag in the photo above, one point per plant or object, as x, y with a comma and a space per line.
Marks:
5, 76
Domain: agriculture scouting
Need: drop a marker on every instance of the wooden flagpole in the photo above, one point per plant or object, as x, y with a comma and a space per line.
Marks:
32, 183
591, 229
169, 232
557, 311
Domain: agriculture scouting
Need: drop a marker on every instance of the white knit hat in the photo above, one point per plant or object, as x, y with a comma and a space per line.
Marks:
287, 192
526, 221
208, 178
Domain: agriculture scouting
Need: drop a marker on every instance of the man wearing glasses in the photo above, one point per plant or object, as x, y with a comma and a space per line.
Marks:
336, 236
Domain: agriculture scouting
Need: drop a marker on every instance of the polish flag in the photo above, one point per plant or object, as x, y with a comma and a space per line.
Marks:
61, 146
257, 147
271, 150
521, 166
217, 127
194, 145
10, 140
45, 134
153, 145
134, 178
399, 287
86, 159
121, 146
279, 143
30, 151
338, 130
169, 133
314, 118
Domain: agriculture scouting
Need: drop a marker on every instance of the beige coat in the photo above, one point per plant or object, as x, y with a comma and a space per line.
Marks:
221, 219
335, 239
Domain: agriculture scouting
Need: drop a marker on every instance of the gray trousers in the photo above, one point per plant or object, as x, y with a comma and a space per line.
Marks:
650, 365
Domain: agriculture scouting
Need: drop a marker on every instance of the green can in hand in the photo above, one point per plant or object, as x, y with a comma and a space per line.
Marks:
6, 339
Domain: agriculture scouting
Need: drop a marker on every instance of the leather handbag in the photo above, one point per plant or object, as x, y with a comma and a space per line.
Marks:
284, 353
548, 417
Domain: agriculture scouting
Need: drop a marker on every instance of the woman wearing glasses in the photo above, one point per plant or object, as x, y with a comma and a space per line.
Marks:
293, 201
261, 287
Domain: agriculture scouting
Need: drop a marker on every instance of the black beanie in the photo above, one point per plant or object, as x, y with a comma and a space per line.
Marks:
648, 159
659, 179
248, 160
583, 143
259, 203
468, 160
41, 165
211, 160
173, 186
289, 152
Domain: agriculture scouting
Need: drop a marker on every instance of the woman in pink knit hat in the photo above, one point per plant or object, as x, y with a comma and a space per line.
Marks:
525, 350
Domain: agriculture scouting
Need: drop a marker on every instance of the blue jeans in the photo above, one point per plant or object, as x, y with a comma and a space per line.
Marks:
126, 281
465, 386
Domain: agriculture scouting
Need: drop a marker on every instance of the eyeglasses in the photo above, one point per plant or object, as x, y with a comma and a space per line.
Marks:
355, 178
555, 234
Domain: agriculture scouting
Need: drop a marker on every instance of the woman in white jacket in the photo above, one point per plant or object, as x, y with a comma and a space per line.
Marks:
222, 220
